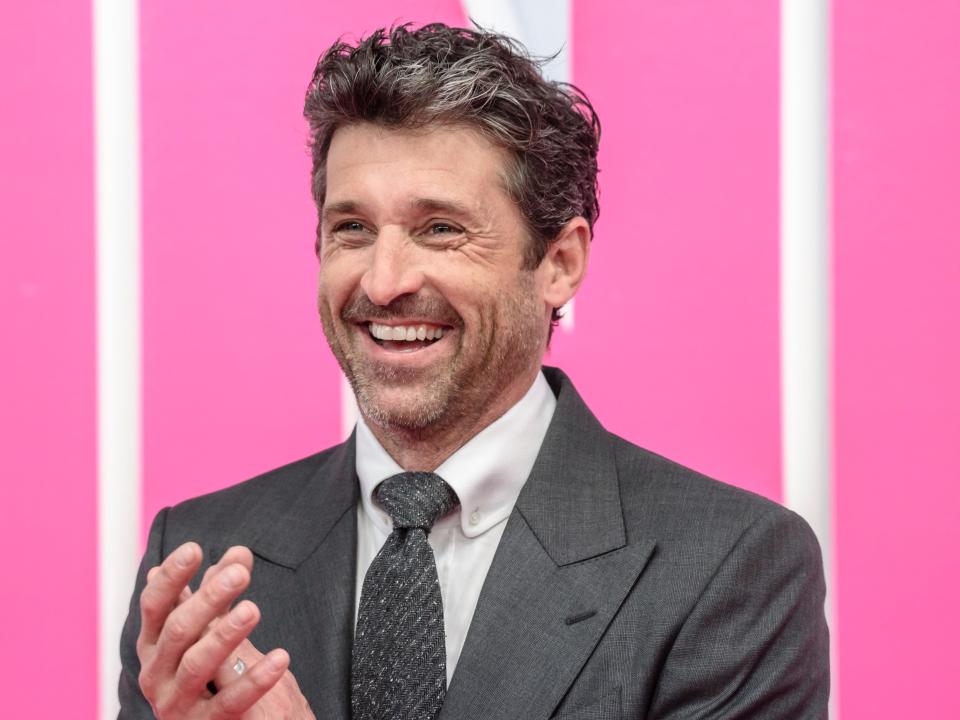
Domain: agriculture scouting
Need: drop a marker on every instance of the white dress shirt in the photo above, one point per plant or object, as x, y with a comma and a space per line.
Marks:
487, 474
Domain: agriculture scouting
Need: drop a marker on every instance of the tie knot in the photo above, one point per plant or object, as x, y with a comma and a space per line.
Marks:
416, 499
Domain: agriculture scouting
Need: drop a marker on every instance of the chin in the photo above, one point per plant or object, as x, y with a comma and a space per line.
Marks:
406, 418
408, 410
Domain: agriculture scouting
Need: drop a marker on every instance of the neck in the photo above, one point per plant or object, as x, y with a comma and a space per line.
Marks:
425, 449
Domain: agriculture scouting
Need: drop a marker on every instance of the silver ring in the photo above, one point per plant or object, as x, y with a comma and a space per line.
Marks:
239, 666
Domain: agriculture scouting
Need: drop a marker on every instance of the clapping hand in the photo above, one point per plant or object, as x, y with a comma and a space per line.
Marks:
189, 640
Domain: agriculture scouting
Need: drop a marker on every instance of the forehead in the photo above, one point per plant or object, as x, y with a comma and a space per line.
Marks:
445, 160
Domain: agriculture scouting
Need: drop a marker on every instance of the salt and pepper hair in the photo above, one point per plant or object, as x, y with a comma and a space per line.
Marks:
439, 75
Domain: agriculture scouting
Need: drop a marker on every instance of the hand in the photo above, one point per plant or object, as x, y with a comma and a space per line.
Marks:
188, 639
283, 701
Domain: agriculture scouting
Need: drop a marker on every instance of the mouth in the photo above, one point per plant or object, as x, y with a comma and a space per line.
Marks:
405, 338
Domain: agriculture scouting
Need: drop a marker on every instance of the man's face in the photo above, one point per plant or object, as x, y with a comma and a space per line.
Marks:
422, 295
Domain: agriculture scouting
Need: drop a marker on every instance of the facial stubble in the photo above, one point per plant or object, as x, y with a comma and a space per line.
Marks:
457, 392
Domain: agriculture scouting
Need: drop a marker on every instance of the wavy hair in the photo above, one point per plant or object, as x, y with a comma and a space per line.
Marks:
410, 78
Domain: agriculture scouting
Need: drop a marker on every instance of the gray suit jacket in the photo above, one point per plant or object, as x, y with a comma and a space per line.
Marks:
625, 586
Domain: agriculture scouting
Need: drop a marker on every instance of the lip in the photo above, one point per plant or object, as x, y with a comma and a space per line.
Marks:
423, 357
406, 321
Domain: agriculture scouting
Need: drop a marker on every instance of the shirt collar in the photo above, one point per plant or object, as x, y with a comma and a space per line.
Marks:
487, 473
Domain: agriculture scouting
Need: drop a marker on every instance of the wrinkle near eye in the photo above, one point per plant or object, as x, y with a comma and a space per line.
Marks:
482, 249
449, 239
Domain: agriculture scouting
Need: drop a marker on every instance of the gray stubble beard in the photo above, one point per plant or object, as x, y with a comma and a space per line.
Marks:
447, 401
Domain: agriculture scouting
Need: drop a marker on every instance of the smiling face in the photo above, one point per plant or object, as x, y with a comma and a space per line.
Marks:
422, 294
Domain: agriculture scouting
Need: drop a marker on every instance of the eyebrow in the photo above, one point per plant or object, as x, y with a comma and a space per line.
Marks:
423, 205
344, 207
441, 206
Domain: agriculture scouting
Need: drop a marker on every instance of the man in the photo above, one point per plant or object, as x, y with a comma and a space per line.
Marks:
480, 547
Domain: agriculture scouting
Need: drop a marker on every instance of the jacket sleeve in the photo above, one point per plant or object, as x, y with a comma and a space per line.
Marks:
756, 643
133, 706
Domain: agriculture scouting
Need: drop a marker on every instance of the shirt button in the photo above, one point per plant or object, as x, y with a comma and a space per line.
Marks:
475, 518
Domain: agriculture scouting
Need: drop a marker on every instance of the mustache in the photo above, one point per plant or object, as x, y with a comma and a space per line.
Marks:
434, 309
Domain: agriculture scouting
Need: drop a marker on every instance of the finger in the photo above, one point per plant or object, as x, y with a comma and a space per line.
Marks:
188, 621
201, 662
235, 554
184, 595
163, 587
257, 681
227, 672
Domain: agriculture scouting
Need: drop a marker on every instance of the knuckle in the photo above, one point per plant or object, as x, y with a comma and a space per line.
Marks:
175, 631
152, 603
229, 704
148, 682
150, 617
224, 632
167, 572
146, 602
191, 667
166, 705
263, 681
211, 595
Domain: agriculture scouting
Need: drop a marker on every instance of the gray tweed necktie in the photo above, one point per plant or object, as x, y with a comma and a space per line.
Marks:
399, 655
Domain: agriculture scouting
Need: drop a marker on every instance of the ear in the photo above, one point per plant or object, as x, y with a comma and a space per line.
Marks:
565, 264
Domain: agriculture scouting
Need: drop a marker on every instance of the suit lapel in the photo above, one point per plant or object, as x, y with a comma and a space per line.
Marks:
326, 581
561, 571
314, 533
535, 626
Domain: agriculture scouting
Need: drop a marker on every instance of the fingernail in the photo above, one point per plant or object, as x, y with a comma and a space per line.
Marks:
241, 615
185, 555
231, 577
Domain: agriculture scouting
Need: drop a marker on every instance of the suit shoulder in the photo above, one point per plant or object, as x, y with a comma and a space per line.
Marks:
232, 503
678, 502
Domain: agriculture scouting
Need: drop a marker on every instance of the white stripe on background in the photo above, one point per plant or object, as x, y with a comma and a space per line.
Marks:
805, 298
117, 146
543, 26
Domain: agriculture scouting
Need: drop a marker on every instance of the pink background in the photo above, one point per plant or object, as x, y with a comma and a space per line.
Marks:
676, 339
238, 378
676, 332
897, 356
48, 494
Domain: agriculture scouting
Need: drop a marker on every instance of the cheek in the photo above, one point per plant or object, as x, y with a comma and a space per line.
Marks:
488, 313
324, 299
335, 285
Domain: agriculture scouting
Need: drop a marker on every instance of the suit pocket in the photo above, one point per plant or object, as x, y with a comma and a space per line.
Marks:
608, 707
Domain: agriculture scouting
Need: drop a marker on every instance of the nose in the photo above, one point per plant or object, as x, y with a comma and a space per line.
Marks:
391, 272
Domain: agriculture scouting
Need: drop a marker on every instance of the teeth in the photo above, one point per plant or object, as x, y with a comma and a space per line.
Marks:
406, 333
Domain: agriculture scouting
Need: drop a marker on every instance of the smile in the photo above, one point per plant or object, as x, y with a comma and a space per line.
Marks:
405, 333
404, 338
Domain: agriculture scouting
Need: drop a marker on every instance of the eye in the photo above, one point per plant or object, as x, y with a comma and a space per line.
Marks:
351, 234
350, 226
440, 229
